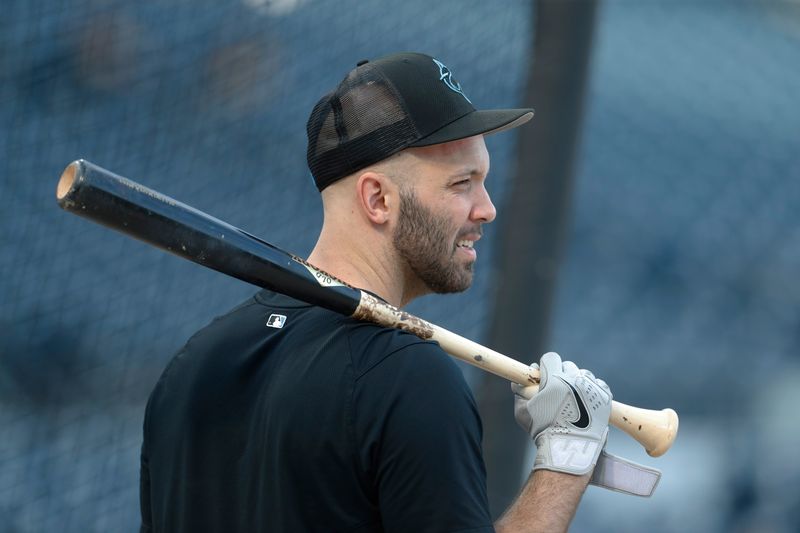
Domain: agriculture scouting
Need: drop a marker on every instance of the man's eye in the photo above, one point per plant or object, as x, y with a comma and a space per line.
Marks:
462, 182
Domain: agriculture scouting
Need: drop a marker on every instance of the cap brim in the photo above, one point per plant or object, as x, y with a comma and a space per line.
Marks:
477, 123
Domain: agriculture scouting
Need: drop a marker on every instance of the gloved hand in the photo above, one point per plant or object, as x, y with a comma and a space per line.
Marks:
567, 418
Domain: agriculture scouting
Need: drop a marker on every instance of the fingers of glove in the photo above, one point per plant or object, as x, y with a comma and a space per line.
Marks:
550, 363
570, 369
587, 374
523, 392
603, 385
521, 413
517, 389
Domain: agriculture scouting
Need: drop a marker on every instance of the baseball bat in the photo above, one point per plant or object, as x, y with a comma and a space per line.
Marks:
92, 192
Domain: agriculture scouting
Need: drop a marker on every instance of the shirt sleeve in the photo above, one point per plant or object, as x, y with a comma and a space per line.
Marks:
419, 433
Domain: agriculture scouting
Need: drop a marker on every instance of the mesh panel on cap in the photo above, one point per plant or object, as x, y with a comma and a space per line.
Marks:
362, 122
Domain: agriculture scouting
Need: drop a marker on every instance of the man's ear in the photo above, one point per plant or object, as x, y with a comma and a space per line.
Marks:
377, 196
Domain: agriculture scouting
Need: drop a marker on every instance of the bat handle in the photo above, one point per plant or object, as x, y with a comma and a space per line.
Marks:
655, 430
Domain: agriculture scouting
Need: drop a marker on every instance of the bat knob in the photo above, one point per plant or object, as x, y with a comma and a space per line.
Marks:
655, 430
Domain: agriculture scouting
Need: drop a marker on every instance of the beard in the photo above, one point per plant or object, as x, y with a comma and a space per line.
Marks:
425, 241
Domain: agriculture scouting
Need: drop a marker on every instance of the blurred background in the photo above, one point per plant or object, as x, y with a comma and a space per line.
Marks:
648, 225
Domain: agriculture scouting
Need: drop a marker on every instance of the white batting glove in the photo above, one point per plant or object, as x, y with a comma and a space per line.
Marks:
567, 418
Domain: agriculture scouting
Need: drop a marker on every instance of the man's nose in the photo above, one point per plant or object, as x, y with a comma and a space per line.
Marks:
484, 210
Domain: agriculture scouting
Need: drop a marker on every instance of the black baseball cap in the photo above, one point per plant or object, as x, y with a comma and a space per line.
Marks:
389, 104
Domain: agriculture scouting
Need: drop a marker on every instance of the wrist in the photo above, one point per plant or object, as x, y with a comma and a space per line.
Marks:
569, 453
557, 492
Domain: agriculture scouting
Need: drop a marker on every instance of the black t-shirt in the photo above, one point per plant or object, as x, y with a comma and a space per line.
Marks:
312, 422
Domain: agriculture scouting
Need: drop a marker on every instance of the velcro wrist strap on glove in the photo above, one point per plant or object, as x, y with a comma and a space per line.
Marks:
567, 452
621, 475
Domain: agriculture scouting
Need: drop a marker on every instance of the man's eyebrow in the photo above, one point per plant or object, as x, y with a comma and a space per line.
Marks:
467, 171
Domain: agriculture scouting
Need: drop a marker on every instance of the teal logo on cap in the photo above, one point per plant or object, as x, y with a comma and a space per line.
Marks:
446, 76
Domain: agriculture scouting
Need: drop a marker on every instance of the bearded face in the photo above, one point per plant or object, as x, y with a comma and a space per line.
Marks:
429, 244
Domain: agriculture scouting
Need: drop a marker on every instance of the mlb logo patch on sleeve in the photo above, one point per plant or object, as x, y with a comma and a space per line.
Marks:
276, 321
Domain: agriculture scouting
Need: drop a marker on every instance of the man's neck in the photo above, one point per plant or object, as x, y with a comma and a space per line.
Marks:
372, 271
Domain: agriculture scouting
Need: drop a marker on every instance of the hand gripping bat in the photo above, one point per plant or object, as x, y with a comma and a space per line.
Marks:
126, 206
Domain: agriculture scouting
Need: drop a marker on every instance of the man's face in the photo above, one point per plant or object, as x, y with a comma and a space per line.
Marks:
441, 212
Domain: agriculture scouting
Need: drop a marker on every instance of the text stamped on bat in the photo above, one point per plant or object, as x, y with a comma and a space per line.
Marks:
323, 278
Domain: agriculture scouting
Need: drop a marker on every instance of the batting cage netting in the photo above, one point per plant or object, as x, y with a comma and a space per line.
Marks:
678, 285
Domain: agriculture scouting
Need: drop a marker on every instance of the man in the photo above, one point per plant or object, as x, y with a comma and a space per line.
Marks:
282, 416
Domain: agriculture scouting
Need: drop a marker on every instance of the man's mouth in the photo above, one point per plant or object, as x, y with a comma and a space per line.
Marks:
466, 248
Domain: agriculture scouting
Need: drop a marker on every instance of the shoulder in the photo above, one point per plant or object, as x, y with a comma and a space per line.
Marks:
396, 368
374, 348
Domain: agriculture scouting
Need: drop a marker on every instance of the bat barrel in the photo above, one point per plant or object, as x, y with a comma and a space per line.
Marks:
92, 192
67, 179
